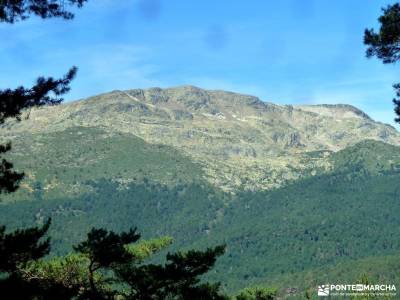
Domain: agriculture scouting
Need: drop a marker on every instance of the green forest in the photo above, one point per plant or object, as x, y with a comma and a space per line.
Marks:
324, 221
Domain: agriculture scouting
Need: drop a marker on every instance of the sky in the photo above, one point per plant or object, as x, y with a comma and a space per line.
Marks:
286, 52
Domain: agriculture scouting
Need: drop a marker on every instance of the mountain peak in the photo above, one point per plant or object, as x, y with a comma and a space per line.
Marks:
194, 99
234, 136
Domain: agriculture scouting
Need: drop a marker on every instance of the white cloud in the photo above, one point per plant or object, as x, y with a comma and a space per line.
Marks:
106, 67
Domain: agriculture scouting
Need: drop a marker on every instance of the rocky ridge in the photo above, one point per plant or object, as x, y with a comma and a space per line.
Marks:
239, 140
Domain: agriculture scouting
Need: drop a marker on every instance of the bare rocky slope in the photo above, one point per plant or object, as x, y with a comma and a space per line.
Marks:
238, 140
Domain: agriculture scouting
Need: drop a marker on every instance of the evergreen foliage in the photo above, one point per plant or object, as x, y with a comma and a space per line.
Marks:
17, 249
385, 44
21, 246
46, 91
16, 10
106, 267
9, 179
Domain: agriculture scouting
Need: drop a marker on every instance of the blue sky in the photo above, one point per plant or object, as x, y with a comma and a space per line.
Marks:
287, 51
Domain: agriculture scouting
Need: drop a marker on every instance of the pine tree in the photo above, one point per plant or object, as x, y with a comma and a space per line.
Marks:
385, 44
46, 91
16, 250
105, 249
115, 254
21, 246
178, 279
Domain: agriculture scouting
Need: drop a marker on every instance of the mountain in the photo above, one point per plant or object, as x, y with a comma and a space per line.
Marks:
296, 193
237, 140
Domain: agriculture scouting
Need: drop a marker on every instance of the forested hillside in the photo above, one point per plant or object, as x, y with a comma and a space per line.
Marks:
319, 223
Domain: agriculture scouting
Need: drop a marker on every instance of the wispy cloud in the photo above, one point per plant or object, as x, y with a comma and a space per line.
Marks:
116, 66
102, 67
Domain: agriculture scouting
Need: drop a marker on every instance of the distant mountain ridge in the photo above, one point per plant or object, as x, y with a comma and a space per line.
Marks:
239, 140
